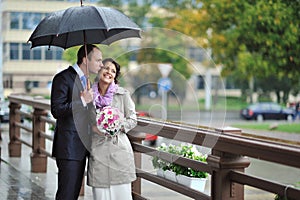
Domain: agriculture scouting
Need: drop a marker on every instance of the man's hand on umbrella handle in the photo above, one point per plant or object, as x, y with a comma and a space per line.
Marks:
87, 95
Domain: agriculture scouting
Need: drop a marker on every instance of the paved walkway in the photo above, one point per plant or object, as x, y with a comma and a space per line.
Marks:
18, 182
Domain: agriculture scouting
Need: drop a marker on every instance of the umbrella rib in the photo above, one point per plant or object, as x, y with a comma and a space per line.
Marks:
67, 37
101, 17
51, 41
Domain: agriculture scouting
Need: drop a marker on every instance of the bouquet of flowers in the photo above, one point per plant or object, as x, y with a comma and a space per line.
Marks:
108, 120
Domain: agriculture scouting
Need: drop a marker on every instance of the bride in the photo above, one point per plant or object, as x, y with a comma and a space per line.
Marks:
111, 167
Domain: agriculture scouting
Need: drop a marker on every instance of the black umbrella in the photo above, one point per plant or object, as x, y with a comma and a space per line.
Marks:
83, 25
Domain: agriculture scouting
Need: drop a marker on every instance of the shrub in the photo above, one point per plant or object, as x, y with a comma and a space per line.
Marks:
187, 151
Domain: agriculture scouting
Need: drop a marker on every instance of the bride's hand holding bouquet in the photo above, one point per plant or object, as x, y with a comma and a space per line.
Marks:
109, 120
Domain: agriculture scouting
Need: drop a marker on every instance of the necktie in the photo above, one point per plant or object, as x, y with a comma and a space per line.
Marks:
83, 81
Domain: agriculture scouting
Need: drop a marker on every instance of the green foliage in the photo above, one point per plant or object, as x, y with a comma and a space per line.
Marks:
253, 40
256, 38
287, 128
51, 127
277, 197
187, 151
230, 102
135, 9
264, 97
246, 36
70, 54
160, 163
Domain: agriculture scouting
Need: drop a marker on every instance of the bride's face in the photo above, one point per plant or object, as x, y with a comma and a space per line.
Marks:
108, 72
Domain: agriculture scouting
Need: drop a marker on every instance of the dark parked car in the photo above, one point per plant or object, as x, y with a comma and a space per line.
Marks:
4, 112
267, 110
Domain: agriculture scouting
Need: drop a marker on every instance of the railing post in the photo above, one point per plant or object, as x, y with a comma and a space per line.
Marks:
38, 160
14, 146
221, 186
138, 138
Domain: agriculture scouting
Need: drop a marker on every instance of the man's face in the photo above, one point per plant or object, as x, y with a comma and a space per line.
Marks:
95, 63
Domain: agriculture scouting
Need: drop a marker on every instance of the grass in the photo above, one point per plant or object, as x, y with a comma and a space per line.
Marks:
229, 103
222, 103
286, 127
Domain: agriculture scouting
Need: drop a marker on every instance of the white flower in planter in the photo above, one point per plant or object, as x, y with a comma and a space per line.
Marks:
184, 175
187, 151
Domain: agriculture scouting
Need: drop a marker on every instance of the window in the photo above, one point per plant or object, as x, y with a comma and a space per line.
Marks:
31, 20
7, 81
54, 53
59, 53
31, 54
14, 51
275, 107
25, 20
200, 82
265, 106
25, 51
196, 54
35, 84
14, 20
48, 54
37, 53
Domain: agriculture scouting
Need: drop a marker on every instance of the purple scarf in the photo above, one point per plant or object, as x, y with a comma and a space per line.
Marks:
101, 101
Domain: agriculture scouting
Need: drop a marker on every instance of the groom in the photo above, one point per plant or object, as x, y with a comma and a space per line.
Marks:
70, 104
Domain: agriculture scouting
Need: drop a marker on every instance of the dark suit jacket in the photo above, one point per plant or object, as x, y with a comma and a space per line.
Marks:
71, 135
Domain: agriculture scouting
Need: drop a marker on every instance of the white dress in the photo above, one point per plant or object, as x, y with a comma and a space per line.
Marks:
114, 192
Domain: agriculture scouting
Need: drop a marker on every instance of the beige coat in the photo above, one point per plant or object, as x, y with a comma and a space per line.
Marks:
112, 162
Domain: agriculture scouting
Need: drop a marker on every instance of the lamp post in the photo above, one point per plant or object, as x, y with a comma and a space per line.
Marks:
165, 84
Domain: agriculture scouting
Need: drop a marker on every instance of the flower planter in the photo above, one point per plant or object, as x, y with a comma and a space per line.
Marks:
170, 175
194, 183
160, 172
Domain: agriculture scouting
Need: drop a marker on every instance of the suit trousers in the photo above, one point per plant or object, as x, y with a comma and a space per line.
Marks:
70, 176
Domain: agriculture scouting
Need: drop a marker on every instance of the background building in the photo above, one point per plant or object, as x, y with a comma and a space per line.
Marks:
26, 70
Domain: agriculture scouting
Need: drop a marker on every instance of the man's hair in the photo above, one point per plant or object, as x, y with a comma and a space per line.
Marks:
81, 52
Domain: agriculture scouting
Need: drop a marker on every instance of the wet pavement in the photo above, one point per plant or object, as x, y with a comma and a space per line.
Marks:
18, 182
15, 185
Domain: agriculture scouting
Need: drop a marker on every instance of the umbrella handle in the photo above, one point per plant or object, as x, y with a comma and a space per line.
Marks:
88, 84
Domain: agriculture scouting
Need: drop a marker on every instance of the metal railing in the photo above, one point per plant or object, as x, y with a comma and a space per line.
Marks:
230, 153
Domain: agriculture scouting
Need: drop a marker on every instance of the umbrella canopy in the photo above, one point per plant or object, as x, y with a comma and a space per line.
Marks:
83, 25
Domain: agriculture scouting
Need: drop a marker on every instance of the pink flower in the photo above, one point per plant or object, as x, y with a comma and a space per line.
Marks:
109, 120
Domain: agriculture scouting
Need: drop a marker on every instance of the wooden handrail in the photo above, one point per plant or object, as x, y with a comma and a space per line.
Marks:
226, 163
46, 119
22, 126
266, 150
44, 135
172, 185
263, 184
23, 141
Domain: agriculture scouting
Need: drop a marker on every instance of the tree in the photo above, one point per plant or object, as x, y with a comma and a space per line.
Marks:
263, 31
252, 39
